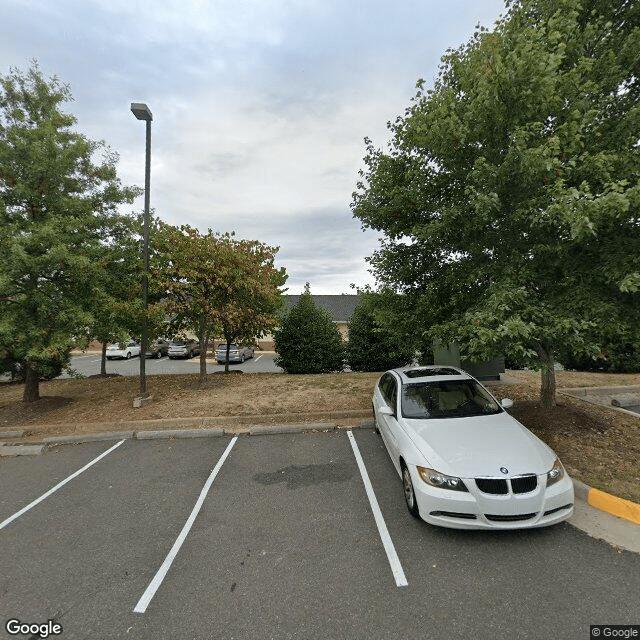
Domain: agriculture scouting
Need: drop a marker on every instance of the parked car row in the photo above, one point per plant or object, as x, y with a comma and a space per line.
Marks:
187, 348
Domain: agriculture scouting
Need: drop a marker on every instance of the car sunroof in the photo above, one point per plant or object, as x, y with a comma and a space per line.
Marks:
425, 373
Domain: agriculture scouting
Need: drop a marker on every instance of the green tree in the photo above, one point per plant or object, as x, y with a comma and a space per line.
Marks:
375, 344
58, 200
510, 194
117, 304
218, 285
307, 340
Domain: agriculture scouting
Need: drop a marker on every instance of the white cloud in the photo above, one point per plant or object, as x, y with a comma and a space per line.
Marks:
260, 108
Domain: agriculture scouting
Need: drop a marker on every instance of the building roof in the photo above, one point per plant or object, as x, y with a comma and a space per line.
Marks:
340, 307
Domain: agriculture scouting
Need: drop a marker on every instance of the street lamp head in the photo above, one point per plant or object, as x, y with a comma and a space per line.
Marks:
141, 111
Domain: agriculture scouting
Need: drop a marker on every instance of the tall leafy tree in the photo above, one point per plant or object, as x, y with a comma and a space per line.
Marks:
59, 194
218, 285
307, 340
377, 338
118, 310
510, 194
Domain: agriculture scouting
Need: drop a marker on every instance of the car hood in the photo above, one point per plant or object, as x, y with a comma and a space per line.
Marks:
480, 446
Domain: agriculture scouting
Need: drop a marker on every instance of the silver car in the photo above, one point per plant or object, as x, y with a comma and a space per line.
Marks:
237, 353
184, 348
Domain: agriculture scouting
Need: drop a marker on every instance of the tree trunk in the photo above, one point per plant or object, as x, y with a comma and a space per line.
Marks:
103, 362
204, 345
226, 361
548, 377
31, 384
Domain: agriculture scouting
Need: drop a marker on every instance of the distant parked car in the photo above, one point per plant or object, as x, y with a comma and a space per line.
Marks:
123, 350
158, 348
184, 348
237, 353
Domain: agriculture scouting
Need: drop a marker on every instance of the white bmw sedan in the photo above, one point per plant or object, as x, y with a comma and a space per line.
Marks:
465, 463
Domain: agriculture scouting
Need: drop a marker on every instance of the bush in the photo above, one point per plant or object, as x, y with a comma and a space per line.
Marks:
48, 368
372, 347
614, 358
307, 340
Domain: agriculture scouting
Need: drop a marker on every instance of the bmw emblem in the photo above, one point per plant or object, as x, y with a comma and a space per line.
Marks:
504, 470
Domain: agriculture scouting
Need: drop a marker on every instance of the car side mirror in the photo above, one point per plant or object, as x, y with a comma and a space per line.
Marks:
507, 403
386, 411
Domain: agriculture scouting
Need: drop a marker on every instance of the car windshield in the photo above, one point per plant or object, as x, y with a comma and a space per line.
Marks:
447, 399
179, 343
232, 346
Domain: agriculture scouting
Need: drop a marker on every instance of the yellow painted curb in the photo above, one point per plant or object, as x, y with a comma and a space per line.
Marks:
617, 506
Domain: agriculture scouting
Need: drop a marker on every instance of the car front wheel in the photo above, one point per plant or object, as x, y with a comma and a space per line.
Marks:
128, 355
409, 493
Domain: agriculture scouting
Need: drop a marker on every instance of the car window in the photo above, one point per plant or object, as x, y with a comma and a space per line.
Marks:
383, 385
389, 390
447, 399
393, 395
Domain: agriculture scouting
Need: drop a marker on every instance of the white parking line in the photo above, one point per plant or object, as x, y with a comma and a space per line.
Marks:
15, 516
150, 591
394, 561
258, 358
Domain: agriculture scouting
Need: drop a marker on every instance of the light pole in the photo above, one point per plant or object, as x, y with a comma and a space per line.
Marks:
142, 112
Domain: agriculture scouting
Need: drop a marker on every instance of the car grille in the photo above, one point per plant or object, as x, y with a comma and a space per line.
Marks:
497, 486
524, 484
453, 514
514, 518
565, 506
500, 486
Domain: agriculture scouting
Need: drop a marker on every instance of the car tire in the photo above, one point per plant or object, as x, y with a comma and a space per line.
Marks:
375, 422
128, 355
409, 493
242, 359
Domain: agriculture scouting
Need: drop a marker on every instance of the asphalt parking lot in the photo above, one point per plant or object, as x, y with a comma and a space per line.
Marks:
285, 544
89, 364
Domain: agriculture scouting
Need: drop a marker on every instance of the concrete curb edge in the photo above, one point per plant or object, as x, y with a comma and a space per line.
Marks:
619, 507
37, 448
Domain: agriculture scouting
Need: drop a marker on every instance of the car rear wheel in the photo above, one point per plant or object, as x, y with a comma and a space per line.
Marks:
128, 355
409, 493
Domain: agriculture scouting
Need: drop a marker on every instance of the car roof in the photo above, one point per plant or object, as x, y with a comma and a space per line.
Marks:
430, 373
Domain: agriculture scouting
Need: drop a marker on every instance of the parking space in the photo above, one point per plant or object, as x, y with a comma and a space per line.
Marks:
285, 545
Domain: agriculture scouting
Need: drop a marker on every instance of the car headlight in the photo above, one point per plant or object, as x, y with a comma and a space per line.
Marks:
441, 480
556, 474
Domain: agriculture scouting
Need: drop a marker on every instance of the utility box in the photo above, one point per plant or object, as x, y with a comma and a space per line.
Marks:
449, 355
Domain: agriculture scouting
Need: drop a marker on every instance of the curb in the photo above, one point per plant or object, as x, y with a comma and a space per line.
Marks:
178, 433
213, 421
619, 507
22, 449
149, 434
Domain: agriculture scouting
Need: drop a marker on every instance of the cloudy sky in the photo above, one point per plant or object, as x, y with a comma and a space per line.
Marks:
260, 106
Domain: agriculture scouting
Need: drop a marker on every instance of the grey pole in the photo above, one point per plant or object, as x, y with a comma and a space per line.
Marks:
142, 112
